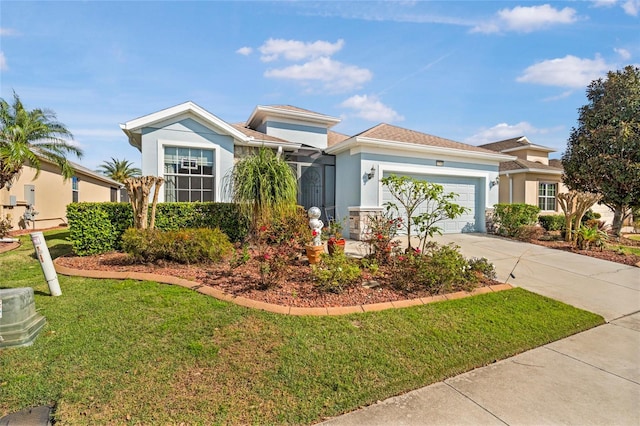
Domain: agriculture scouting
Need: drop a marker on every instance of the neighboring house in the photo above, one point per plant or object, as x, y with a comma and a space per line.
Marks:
49, 194
533, 178
195, 151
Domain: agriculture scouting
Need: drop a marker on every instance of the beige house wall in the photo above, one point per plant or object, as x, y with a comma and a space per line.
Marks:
532, 155
525, 187
52, 195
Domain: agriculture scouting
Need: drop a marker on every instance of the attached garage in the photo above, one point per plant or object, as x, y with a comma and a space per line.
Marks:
468, 190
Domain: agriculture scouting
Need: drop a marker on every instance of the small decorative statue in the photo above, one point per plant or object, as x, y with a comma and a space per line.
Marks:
316, 225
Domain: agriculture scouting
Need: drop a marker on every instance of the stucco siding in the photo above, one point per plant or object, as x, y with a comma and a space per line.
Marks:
51, 195
187, 132
348, 183
299, 133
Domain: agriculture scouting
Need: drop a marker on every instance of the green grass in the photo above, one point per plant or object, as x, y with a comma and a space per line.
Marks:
142, 352
634, 237
625, 249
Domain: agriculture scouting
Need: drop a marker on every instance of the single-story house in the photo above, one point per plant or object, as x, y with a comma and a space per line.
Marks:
195, 150
49, 194
533, 178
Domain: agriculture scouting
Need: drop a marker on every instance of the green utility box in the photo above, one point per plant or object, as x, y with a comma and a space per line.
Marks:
19, 321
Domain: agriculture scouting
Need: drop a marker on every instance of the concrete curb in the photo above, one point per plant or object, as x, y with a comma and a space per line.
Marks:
271, 307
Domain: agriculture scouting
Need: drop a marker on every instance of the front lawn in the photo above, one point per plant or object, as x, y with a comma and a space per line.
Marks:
141, 352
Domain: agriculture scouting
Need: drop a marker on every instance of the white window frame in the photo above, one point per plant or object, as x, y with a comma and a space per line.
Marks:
162, 143
547, 197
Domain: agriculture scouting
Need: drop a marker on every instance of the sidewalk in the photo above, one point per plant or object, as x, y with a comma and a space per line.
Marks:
592, 378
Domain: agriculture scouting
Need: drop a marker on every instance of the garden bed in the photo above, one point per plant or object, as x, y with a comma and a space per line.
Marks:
296, 289
606, 253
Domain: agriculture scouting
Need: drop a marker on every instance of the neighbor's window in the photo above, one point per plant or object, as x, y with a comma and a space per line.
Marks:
188, 174
547, 196
74, 189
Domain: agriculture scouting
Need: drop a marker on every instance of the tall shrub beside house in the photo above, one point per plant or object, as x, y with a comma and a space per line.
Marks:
264, 187
510, 218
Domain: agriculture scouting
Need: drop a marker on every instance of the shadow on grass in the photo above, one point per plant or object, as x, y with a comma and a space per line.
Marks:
58, 244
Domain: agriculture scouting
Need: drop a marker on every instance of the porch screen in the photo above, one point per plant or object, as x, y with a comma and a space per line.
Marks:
188, 174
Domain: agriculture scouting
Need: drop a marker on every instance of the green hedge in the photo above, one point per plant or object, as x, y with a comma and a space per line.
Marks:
98, 227
511, 217
552, 222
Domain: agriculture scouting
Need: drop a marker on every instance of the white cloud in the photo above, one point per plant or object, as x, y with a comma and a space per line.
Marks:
3, 62
370, 108
604, 3
569, 71
246, 51
562, 95
335, 76
294, 50
624, 53
8, 32
526, 19
631, 7
504, 131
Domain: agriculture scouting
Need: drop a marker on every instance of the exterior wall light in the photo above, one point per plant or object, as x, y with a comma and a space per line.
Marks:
371, 173
494, 182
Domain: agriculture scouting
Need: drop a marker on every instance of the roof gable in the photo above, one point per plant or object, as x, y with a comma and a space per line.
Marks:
261, 112
133, 128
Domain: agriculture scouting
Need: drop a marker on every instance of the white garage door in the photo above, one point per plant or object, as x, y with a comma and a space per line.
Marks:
468, 190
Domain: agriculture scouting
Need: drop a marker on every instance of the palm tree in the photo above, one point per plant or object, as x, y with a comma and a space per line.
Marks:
119, 170
29, 137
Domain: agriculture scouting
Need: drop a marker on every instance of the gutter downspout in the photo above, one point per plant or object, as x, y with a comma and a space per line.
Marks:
510, 189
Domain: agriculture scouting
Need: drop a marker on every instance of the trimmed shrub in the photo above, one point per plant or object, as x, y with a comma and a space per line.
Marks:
200, 245
336, 272
98, 227
552, 222
93, 227
510, 217
440, 269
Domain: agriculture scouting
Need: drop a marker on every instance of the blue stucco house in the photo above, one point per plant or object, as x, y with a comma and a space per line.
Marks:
195, 150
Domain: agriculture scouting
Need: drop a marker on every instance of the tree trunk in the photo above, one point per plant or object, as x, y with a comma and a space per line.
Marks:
139, 189
618, 217
158, 184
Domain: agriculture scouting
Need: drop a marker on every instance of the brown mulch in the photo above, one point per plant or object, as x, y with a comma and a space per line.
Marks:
604, 254
296, 288
4, 247
18, 232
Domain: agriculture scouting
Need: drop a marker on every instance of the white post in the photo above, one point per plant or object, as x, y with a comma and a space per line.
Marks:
42, 252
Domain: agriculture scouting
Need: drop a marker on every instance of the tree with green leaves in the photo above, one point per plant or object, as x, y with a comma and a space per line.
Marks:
119, 170
264, 187
603, 151
28, 137
434, 203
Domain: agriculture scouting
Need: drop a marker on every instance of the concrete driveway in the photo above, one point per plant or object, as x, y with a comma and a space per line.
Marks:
591, 378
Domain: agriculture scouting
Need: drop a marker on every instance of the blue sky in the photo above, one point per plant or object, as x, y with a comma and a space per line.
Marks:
473, 72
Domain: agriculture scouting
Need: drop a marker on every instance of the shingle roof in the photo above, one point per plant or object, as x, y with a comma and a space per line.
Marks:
398, 134
293, 108
507, 166
256, 134
500, 146
554, 162
335, 137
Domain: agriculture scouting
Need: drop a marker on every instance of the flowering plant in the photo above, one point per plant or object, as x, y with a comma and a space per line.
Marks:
380, 235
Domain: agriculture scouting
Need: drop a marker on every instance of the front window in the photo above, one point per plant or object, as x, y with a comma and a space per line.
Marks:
547, 196
188, 174
74, 189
